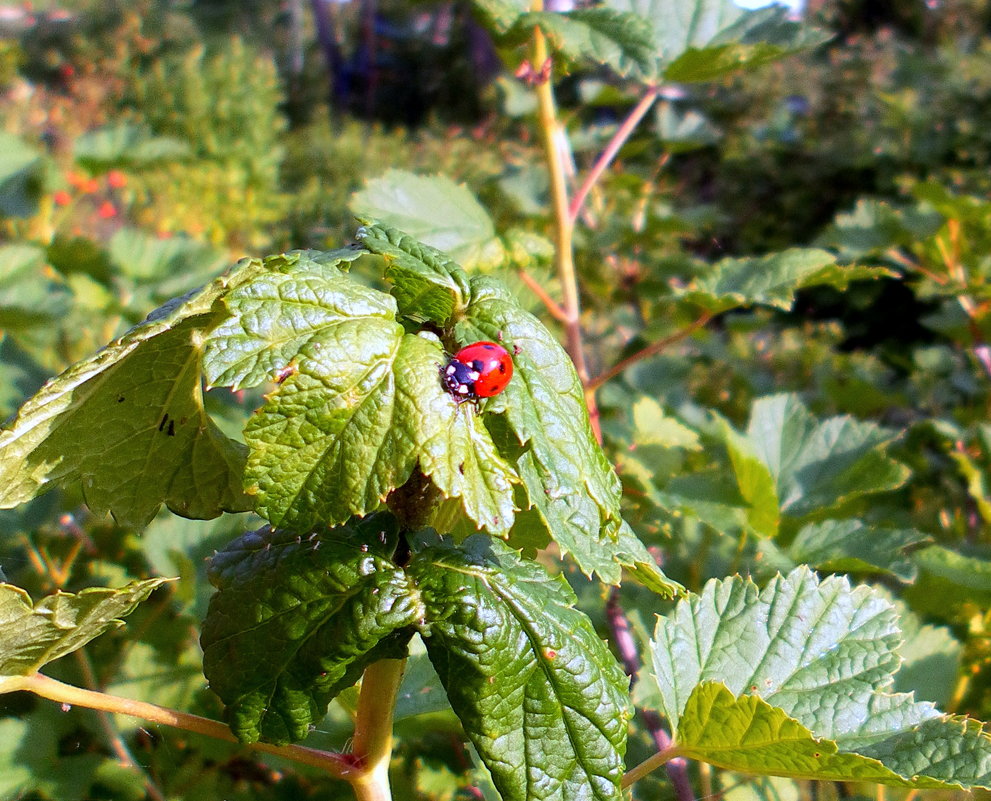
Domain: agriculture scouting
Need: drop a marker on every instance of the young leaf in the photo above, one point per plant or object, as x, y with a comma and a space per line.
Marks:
815, 698
128, 424
434, 210
426, 283
771, 280
537, 691
31, 635
332, 602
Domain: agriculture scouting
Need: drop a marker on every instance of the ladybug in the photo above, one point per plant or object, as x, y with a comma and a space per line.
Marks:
478, 371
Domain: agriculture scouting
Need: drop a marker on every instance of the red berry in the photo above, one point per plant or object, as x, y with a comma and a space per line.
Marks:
107, 210
116, 179
61, 198
480, 370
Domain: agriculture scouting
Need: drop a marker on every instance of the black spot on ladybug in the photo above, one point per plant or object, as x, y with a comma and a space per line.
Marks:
502, 367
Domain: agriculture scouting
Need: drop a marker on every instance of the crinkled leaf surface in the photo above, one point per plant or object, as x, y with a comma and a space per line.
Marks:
621, 40
349, 427
426, 284
434, 210
129, 425
771, 280
795, 679
293, 299
701, 40
31, 635
360, 402
552, 725
296, 620
568, 479
852, 546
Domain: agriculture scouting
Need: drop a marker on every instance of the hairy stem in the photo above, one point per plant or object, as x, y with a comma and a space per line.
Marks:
336, 765
373, 728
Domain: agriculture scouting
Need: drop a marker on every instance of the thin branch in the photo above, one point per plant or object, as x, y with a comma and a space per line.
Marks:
337, 765
651, 350
563, 223
615, 143
113, 736
553, 307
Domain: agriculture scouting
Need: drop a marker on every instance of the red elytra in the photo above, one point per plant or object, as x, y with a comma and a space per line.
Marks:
479, 370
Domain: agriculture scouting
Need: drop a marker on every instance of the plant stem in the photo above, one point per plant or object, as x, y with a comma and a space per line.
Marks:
550, 131
651, 350
113, 736
649, 765
615, 143
373, 728
336, 765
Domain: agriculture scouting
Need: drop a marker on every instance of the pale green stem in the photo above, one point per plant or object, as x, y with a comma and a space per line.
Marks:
650, 764
336, 765
373, 729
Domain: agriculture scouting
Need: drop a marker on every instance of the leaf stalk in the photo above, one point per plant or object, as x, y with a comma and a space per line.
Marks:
373, 728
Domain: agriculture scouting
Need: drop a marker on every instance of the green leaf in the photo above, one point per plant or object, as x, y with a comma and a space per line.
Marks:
32, 635
755, 483
297, 301
21, 169
949, 581
850, 546
296, 620
128, 424
931, 658
819, 465
426, 284
125, 145
537, 691
501, 14
434, 210
770, 280
874, 226
702, 40
30, 295
621, 40
795, 680
568, 479
174, 265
